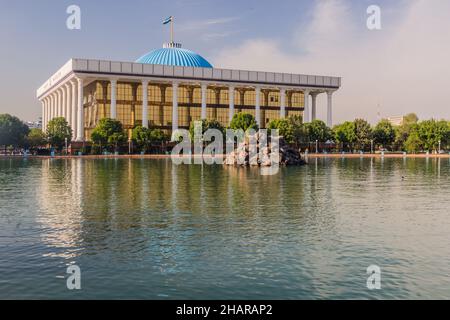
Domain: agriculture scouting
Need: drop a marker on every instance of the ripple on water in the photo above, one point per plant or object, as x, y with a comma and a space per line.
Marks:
147, 229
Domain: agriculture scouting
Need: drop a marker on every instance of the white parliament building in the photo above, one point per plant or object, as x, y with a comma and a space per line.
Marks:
170, 87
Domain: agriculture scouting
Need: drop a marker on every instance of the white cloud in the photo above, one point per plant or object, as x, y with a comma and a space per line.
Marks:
208, 23
403, 68
217, 35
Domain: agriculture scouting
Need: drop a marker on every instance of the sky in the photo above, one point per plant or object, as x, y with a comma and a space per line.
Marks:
403, 67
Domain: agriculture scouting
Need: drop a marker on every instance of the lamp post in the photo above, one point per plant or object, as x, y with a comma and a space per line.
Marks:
439, 151
317, 146
65, 141
129, 145
371, 146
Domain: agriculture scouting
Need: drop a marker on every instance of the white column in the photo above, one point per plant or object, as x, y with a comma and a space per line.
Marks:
58, 104
282, 103
329, 109
55, 105
204, 93
47, 111
258, 106
145, 103
113, 99
50, 109
61, 102
57, 100
307, 112
74, 110
231, 101
174, 107
68, 103
313, 107
44, 109
64, 102
43, 114
80, 113
53, 113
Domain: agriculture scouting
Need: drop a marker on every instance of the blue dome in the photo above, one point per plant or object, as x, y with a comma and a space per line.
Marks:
175, 57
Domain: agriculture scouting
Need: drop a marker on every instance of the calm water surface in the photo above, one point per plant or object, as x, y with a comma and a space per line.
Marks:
149, 230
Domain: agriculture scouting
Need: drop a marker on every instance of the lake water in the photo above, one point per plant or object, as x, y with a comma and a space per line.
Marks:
147, 229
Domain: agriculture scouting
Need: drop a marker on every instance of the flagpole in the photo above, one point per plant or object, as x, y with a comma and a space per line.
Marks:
171, 30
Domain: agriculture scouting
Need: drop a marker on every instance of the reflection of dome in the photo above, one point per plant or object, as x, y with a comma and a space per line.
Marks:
173, 55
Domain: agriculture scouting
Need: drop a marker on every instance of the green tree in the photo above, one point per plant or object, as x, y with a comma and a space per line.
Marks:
296, 120
158, 136
145, 137
13, 132
410, 118
116, 139
243, 121
403, 131
317, 130
447, 138
431, 132
109, 133
300, 131
35, 138
141, 136
384, 133
285, 129
413, 144
345, 134
363, 132
206, 125
58, 130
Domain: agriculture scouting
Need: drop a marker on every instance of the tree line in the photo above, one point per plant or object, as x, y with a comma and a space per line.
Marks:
351, 136
14, 134
107, 136
411, 136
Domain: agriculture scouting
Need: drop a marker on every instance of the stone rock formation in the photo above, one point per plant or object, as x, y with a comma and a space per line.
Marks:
261, 156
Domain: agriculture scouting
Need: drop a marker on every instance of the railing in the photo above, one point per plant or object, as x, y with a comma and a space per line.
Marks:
206, 74
138, 69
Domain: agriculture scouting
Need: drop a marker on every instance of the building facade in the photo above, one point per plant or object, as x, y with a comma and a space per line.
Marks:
171, 87
396, 121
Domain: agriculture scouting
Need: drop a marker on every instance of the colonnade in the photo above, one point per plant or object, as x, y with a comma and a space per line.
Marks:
67, 101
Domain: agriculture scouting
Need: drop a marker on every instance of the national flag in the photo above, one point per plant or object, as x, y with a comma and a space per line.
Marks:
168, 20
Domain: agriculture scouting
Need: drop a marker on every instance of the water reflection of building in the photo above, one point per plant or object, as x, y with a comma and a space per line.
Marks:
131, 205
170, 87
60, 206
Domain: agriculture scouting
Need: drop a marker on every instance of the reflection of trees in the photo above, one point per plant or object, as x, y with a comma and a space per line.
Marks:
133, 205
114, 206
123, 194
424, 168
226, 221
